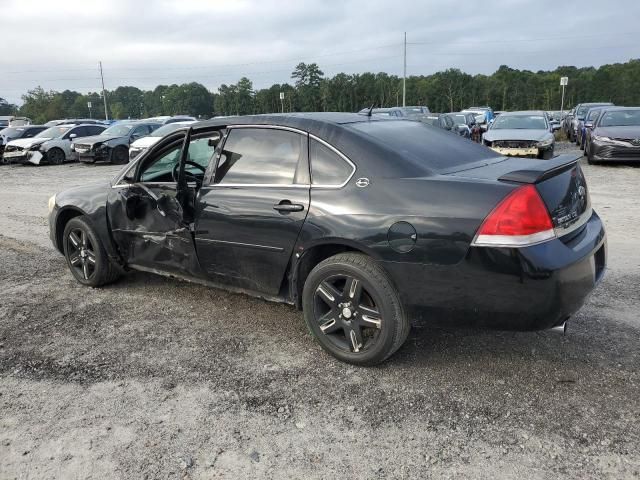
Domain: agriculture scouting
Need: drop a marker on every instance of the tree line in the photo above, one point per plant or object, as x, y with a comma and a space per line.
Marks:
311, 90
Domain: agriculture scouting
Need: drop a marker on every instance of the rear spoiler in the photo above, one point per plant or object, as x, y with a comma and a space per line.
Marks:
547, 169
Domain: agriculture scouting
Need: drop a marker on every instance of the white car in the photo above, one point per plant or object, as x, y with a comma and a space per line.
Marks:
144, 143
52, 145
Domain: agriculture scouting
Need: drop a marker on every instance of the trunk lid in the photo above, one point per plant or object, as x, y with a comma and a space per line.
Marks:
560, 182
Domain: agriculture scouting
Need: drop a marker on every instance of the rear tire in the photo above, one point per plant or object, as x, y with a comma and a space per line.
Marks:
85, 254
56, 156
353, 310
120, 155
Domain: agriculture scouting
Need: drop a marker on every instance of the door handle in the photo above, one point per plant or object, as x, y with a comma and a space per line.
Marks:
286, 206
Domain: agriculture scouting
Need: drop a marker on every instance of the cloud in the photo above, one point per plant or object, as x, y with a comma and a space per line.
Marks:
58, 44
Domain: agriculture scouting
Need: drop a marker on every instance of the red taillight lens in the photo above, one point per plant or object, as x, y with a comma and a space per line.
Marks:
520, 219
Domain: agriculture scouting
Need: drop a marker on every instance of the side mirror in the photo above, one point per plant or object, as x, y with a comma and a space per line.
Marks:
588, 125
73, 135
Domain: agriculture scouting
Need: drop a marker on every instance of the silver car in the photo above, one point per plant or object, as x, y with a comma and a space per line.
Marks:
521, 134
52, 145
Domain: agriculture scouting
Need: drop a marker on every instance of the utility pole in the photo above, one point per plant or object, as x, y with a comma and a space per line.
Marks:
404, 76
564, 81
104, 93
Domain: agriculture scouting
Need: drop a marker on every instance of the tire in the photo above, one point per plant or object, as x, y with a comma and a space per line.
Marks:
590, 159
547, 154
56, 156
369, 323
85, 254
120, 155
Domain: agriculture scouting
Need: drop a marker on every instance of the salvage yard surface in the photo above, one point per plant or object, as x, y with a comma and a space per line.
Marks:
156, 378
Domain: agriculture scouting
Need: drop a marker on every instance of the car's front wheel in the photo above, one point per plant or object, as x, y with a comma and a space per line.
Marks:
353, 310
56, 156
85, 254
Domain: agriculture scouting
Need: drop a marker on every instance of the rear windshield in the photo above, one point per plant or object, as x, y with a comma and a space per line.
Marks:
430, 147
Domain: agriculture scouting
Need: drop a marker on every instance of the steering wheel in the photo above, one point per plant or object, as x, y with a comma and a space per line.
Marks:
189, 176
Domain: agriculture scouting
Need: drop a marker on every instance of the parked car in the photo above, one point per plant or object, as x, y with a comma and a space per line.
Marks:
112, 145
589, 119
484, 115
13, 133
441, 120
5, 120
144, 143
165, 119
567, 123
52, 145
615, 136
521, 134
578, 117
363, 222
416, 112
75, 121
468, 127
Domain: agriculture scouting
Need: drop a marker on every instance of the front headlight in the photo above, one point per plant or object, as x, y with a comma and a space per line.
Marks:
52, 203
35, 147
597, 138
545, 143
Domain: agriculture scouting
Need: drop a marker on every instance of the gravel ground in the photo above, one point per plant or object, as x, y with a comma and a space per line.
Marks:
155, 378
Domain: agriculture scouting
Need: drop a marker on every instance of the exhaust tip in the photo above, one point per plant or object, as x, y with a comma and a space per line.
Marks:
561, 329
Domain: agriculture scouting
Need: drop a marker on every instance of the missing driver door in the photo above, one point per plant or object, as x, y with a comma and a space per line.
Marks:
150, 214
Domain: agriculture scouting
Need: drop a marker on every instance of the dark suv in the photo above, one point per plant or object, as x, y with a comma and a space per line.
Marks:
112, 145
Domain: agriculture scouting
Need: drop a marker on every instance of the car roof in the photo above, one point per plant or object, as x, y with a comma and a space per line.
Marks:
524, 112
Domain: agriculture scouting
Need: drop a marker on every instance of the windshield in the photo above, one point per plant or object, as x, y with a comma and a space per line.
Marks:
11, 132
519, 122
118, 130
621, 118
53, 132
168, 128
582, 111
431, 120
460, 118
414, 110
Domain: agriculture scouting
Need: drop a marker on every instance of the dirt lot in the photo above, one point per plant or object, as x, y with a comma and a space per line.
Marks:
153, 378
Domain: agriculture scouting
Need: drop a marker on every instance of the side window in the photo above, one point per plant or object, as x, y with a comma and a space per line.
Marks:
200, 152
139, 132
260, 156
327, 167
95, 130
31, 133
160, 169
79, 132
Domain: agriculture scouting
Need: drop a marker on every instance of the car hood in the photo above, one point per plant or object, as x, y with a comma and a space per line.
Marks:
145, 142
631, 132
27, 142
97, 139
516, 134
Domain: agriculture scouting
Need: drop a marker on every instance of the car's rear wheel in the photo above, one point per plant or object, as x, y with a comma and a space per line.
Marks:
120, 155
85, 254
353, 310
55, 156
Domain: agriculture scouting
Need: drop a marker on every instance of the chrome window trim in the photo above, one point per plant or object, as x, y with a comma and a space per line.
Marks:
298, 185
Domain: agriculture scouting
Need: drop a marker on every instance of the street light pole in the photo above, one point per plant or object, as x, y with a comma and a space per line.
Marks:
104, 93
404, 76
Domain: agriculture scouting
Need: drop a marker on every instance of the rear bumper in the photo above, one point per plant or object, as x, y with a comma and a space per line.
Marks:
532, 288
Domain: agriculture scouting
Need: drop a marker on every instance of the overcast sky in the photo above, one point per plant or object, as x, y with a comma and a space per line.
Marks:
57, 44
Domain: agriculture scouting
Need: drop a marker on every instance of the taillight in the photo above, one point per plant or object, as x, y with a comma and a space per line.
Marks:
520, 220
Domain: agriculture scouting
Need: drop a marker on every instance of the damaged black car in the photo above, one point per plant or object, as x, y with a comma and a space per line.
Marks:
364, 223
112, 145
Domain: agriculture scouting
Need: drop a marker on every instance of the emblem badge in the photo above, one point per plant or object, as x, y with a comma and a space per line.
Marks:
636, 142
362, 182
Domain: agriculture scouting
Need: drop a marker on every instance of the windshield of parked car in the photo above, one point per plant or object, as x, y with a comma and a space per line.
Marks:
118, 130
413, 110
11, 132
53, 132
621, 118
460, 119
168, 128
519, 122
430, 120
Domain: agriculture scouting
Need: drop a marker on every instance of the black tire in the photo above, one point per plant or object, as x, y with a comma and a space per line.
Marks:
374, 307
56, 156
85, 254
120, 155
590, 159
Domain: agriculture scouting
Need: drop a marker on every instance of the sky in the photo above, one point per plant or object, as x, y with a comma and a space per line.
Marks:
58, 44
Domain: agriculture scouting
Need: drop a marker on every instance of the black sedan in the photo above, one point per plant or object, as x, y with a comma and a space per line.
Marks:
364, 223
112, 145
615, 136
